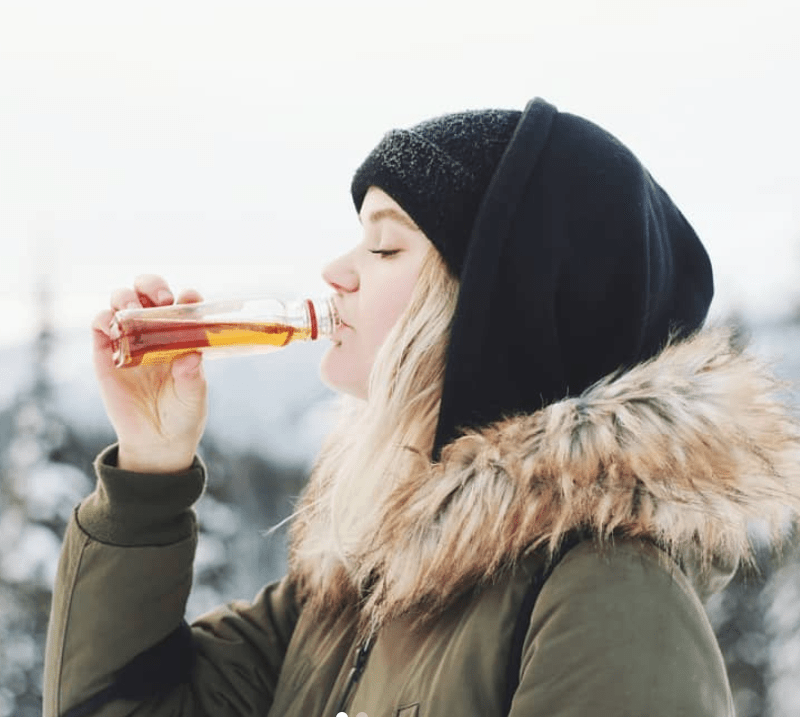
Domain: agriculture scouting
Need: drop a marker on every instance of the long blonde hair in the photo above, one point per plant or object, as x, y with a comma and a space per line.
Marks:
378, 440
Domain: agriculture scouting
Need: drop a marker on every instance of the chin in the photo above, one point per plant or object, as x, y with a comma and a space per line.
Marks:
336, 372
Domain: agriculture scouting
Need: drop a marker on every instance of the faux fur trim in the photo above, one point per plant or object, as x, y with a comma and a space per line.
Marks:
685, 449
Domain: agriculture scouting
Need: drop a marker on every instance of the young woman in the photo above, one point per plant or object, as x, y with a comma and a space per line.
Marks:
542, 466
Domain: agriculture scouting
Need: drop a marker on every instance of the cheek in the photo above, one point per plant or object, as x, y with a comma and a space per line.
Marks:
346, 366
391, 310
388, 308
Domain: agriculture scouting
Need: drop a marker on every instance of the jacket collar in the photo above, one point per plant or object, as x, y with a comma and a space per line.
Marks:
686, 450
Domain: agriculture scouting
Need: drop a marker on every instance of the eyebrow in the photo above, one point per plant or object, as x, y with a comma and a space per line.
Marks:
392, 213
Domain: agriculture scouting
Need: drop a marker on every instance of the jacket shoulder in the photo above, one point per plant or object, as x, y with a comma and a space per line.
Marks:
619, 624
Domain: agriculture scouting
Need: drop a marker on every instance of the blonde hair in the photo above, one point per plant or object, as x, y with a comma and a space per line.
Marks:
377, 440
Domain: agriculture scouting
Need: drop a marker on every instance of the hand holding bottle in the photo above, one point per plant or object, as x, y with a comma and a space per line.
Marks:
158, 411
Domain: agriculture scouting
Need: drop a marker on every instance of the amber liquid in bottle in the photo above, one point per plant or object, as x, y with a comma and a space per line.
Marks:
144, 337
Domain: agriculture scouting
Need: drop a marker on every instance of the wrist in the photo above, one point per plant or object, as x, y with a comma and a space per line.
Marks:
168, 459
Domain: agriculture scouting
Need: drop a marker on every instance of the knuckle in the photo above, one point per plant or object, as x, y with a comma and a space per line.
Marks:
146, 283
146, 278
189, 296
102, 321
122, 296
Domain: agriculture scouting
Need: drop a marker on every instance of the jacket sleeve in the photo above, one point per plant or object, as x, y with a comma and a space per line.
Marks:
619, 632
117, 644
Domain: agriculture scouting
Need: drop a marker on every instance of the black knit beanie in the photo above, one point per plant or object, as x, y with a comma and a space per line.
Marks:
438, 172
573, 262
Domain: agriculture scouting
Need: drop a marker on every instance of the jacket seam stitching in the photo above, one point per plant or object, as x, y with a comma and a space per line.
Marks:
68, 610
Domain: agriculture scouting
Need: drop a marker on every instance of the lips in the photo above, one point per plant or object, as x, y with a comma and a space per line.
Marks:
339, 314
337, 335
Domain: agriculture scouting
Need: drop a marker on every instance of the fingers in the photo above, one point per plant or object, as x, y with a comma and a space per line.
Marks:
189, 379
189, 296
148, 290
101, 341
152, 290
188, 367
125, 299
102, 321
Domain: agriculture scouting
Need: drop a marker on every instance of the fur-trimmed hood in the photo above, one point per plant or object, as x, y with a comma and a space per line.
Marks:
686, 449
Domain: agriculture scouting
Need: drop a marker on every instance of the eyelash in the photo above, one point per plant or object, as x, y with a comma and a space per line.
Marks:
384, 252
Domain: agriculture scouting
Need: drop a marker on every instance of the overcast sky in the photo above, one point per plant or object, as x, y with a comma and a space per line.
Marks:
213, 142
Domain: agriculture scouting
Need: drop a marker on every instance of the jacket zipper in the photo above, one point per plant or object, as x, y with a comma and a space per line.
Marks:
355, 671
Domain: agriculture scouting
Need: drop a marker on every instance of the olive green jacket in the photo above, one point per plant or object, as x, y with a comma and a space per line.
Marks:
679, 452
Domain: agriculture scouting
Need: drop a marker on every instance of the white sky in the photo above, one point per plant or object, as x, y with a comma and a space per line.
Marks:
213, 142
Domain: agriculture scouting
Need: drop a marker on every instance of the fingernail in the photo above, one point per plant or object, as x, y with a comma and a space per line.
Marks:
132, 305
164, 296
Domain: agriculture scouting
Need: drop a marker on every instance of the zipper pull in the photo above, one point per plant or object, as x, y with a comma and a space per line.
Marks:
356, 670
361, 655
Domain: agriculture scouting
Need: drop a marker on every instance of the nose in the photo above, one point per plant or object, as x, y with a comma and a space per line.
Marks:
341, 274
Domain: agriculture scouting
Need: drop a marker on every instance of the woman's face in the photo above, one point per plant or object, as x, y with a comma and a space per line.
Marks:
373, 283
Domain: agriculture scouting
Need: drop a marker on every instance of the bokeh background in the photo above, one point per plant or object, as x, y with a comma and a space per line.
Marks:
213, 143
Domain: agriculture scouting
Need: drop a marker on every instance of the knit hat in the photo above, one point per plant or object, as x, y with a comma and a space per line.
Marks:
438, 172
573, 261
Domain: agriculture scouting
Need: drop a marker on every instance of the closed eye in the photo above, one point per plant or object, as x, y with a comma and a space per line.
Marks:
384, 252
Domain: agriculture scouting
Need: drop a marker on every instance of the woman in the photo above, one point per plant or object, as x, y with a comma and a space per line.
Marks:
541, 467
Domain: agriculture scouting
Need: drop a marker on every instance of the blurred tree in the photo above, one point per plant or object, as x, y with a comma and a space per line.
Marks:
33, 513
45, 470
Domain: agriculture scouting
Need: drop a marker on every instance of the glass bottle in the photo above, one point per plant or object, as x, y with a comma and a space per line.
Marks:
225, 327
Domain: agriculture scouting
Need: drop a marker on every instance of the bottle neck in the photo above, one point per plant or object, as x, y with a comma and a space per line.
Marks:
322, 317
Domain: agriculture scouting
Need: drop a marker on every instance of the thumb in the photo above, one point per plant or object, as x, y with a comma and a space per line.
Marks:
189, 378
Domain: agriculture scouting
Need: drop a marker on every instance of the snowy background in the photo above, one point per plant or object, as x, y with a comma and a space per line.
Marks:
263, 433
214, 142
264, 429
